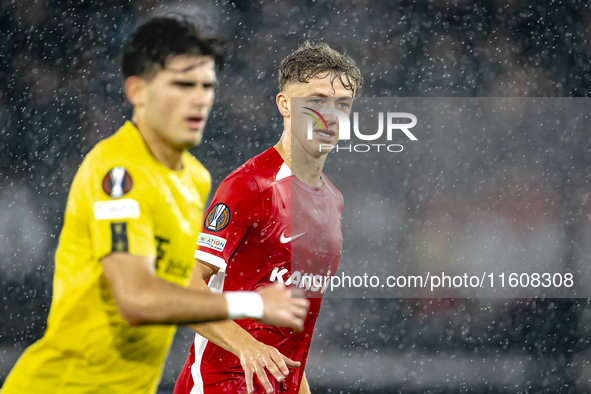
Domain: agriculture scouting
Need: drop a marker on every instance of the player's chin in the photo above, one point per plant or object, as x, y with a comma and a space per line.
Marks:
191, 139
321, 148
325, 148
181, 146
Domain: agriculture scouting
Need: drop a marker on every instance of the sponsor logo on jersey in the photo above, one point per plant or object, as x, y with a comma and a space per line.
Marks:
301, 280
117, 182
285, 239
126, 208
217, 218
211, 241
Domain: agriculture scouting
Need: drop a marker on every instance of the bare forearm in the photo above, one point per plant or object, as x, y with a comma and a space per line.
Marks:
226, 334
143, 298
167, 303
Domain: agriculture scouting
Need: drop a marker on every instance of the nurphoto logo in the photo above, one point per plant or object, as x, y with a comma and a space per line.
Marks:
344, 128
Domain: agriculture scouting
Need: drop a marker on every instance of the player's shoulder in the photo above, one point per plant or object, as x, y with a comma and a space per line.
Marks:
332, 188
263, 168
241, 182
195, 167
124, 150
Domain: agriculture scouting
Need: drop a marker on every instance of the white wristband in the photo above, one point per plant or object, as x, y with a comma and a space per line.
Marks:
243, 304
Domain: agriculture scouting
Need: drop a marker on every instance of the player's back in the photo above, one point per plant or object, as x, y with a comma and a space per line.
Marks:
121, 200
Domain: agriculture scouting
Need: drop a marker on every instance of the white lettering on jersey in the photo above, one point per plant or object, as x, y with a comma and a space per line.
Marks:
278, 275
309, 281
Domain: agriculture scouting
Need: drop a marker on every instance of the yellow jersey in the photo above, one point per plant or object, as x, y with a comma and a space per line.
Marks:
122, 200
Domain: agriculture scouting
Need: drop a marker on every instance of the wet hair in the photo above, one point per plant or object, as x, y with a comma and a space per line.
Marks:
311, 59
155, 42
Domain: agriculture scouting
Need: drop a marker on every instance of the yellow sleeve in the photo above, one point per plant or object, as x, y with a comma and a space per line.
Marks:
121, 198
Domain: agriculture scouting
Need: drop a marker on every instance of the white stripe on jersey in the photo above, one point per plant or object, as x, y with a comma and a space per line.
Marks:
211, 259
216, 285
284, 172
329, 188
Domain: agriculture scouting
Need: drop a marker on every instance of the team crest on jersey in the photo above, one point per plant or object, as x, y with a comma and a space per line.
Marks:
218, 217
117, 182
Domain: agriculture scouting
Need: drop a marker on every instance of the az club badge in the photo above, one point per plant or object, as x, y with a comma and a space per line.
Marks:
117, 182
217, 218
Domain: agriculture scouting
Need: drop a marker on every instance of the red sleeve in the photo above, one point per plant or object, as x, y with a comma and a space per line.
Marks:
234, 209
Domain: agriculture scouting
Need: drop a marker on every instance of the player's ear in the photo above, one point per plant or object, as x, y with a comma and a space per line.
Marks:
135, 88
283, 104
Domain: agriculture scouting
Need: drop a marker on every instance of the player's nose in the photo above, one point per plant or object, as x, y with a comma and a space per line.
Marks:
202, 97
331, 119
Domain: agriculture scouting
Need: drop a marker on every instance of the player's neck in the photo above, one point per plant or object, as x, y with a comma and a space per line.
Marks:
303, 165
308, 169
160, 149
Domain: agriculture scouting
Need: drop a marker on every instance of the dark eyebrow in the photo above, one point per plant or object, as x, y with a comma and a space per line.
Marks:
189, 68
182, 70
317, 95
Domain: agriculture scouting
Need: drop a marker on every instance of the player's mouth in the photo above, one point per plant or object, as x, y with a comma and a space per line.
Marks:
325, 135
195, 122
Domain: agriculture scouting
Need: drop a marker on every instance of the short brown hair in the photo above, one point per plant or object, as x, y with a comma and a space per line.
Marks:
310, 59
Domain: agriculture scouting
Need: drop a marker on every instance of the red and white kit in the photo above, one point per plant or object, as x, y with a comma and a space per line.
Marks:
265, 225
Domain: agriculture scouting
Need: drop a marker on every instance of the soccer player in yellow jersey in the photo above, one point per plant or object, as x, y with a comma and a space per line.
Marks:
126, 251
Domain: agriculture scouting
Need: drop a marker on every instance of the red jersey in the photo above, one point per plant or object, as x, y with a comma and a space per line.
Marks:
265, 225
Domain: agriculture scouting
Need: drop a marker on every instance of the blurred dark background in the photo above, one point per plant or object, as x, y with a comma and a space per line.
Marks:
60, 93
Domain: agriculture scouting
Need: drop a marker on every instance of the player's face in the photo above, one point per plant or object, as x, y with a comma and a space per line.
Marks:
320, 94
178, 100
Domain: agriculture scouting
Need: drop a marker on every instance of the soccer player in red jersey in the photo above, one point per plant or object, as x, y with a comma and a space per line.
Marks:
277, 218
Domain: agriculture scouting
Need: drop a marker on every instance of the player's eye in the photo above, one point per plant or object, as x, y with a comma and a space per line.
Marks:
344, 105
208, 85
316, 102
184, 84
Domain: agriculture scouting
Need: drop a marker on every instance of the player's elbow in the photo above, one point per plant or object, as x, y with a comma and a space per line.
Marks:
132, 316
133, 309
